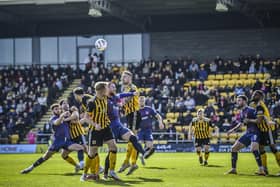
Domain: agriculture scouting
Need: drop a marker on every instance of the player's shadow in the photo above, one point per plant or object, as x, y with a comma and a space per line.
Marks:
150, 179
161, 168
118, 183
255, 175
214, 166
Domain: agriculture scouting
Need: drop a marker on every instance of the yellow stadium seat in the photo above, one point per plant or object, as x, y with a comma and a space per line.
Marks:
227, 76
178, 128
223, 83
239, 82
278, 82
193, 114
214, 141
273, 81
14, 138
192, 83
219, 77
251, 76
243, 76
170, 115
208, 83
215, 83
176, 115
235, 76
211, 77
223, 140
243, 128
186, 84
184, 114
259, 76
248, 82
231, 83
266, 75
198, 107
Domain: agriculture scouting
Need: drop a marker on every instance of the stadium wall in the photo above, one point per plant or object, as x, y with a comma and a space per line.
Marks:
203, 45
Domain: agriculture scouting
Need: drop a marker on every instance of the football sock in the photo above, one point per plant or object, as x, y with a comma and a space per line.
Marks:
234, 157
107, 163
38, 162
136, 144
88, 164
258, 158
81, 155
112, 159
70, 160
128, 152
206, 155
134, 156
264, 159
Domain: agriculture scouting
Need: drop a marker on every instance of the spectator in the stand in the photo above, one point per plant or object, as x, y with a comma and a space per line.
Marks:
252, 68
276, 110
179, 104
31, 137
239, 90
171, 130
42, 100
200, 98
226, 125
40, 137
59, 84
20, 106
165, 92
202, 73
209, 110
189, 103
267, 85
257, 85
4, 136
213, 67
156, 105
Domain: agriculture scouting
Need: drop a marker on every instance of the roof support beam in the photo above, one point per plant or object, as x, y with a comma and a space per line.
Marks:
119, 12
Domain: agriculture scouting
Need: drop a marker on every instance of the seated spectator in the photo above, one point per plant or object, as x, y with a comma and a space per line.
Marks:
202, 73
226, 125
189, 103
239, 90
171, 130
4, 136
31, 137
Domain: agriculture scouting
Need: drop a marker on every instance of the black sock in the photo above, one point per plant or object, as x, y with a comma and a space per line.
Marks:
81, 155
152, 150
234, 156
136, 144
38, 162
107, 162
147, 149
273, 150
258, 158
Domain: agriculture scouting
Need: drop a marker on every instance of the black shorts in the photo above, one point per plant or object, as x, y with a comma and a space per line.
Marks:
268, 138
201, 142
133, 120
97, 138
79, 140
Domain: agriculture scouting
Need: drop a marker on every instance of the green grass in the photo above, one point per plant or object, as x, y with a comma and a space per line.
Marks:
162, 169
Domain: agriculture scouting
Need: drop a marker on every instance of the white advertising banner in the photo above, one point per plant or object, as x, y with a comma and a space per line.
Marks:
18, 148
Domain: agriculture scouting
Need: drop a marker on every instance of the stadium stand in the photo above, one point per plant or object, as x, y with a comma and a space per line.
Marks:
175, 88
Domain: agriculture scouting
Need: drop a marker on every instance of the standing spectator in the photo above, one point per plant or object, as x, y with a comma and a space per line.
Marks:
31, 137
189, 103
171, 130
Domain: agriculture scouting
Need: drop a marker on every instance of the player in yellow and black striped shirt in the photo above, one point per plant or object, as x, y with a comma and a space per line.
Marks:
130, 108
100, 131
76, 132
201, 128
266, 127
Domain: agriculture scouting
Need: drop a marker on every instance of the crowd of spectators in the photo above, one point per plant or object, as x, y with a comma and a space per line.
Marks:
25, 94
167, 78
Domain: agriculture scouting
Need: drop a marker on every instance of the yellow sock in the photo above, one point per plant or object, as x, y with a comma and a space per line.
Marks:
134, 155
93, 165
128, 153
97, 164
112, 160
264, 159
206, 155
70, 160
277, 157
88, 164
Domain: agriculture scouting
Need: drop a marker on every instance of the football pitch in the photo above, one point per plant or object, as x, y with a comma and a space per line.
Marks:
162, 169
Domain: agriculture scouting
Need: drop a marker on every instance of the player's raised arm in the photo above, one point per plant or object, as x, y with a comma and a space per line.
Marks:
61, 118
74, 115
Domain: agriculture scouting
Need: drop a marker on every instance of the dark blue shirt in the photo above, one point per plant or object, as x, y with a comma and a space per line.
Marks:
113, 108
147, 114
250, 113
61, 131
